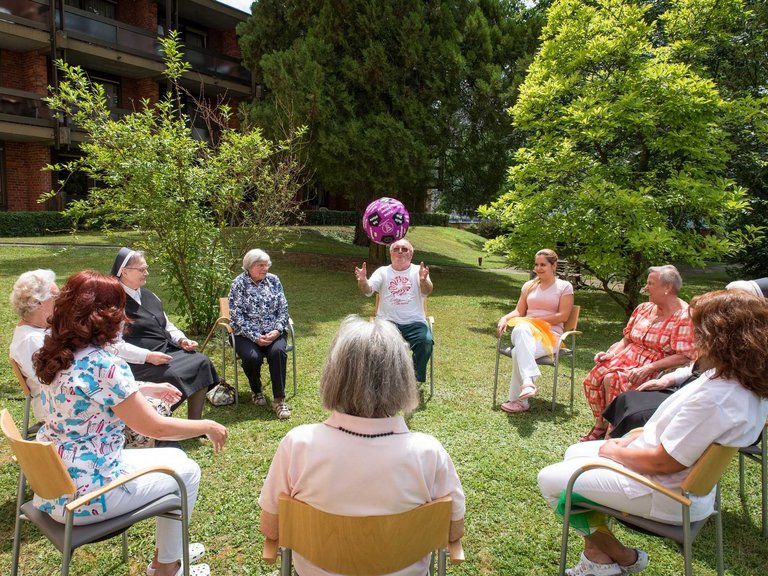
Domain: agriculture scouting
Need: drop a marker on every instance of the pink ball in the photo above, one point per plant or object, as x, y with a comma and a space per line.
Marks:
386, 220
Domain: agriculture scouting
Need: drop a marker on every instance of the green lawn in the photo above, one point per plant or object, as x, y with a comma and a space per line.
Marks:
509, 528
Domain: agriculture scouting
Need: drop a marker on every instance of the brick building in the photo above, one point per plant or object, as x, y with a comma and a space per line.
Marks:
115, 41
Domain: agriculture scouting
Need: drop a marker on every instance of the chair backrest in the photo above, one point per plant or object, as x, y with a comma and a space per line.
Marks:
573, 319
39, 461
20, 376
363, 544
224, 308
706, 473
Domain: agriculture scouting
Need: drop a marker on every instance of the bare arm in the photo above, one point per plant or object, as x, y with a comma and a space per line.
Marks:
362, 280
268, 525
138, 415
519, 311
646, 371
614, 349
641, 460
456, 531
425, 282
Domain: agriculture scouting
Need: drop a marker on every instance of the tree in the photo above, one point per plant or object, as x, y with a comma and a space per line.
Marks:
399, 96
184, 194
627, 150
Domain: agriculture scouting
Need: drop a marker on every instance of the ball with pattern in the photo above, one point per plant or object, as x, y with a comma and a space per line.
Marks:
386, 220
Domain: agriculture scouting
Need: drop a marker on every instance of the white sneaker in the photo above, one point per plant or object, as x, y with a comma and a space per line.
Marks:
640, 564
586, 567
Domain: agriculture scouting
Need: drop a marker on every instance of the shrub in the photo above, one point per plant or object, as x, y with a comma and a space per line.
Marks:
15, 224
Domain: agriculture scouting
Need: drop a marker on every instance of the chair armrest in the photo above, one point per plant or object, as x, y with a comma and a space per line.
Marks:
269, 554
220, 322
676, 496
119, 482
565, 335
291, 331
456, 552
431, 322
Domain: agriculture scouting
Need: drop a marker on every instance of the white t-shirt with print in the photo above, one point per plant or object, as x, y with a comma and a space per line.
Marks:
401, 299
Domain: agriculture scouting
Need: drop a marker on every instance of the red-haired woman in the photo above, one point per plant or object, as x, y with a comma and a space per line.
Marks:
727, 404
89, 396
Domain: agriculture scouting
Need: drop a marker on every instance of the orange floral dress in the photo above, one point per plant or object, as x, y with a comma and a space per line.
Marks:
649, 341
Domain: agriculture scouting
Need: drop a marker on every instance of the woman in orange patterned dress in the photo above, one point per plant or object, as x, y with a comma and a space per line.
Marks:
659, 336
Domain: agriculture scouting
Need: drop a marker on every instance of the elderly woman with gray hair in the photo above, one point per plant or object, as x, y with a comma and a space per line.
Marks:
258, 312
363, 460
32, 299
659, 336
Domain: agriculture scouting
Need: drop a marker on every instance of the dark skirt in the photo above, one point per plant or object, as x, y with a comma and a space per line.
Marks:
189, 372
632, 409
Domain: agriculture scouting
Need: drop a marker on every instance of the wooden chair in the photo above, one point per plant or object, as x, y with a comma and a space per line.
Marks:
369, 545
571, 332
757, 453
702, 478
431, 323
228, 340
48, 477
25, 432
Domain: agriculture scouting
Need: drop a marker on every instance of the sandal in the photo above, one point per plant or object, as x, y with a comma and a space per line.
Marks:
196, 551
527, 391
514, 406
595, 434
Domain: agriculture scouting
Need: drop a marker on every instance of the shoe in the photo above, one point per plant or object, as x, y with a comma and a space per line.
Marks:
586, 567
196, 551
281, 409
594, 434
259, 399
640, 564
527, 391
515, 406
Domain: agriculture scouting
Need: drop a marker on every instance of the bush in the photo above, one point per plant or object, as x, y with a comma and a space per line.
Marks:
349, 218
14, 224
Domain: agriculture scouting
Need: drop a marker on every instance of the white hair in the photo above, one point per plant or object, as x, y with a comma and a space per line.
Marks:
668, 276
369, 372
30, 290
255, 256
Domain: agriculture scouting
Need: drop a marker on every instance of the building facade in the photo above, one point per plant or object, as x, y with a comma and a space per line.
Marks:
116, 43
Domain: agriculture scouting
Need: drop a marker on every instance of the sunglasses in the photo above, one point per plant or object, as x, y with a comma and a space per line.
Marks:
401, 249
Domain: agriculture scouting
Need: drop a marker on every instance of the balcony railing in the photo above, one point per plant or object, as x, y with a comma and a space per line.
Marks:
26, 105
88, 27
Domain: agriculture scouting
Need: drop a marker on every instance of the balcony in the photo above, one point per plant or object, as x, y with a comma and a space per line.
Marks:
103, 43
24, 117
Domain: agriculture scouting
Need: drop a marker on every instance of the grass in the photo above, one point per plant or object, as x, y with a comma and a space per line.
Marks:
509, 528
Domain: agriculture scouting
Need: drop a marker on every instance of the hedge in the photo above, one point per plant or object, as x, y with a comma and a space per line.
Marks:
13, 224
349, 218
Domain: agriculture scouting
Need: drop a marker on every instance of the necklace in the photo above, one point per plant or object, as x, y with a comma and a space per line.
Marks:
361, 435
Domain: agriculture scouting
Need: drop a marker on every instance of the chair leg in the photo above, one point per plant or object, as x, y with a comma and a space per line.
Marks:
286, 559
764, 481
719, 532
293, 355
554, 383
66, 554
573, 368
496, 374
442, 555
564, 541
687, 541
17, 529
125, 547
741, 475
431, 377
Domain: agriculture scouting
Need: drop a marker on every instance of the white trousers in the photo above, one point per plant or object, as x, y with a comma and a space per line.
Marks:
149, 487
524, 353
600, 485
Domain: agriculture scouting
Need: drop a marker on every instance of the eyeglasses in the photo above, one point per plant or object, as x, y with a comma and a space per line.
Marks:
143, 269
401, 249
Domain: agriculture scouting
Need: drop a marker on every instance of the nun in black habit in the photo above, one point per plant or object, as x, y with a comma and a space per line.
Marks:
160, 352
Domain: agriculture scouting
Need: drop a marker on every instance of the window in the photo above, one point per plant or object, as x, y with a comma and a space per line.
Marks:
111, 90
3, 194
106, 8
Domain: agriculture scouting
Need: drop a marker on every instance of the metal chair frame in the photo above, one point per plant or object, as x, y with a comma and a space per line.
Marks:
49, 478
702, 478
228, 339
563, 352
757, 453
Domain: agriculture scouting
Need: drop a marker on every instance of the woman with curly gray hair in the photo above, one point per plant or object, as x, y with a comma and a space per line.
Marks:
32, 300
363, 460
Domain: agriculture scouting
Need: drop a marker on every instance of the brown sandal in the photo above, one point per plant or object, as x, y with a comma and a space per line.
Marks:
596, 433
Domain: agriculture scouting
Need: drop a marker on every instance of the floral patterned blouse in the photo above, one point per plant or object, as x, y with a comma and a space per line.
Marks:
256, 308
80, 423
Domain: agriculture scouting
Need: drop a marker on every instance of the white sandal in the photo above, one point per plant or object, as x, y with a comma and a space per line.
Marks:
196, 551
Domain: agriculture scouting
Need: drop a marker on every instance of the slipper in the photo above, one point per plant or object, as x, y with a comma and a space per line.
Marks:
196, 551
514, 406
196, 570
527, 391
594, 434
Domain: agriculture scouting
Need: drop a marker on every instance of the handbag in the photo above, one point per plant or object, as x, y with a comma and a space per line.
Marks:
221, 395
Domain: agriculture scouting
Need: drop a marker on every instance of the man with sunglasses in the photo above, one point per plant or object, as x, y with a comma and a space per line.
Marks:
403, 288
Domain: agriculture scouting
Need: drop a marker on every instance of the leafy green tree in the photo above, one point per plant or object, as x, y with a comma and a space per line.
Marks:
185, 194
625, 164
